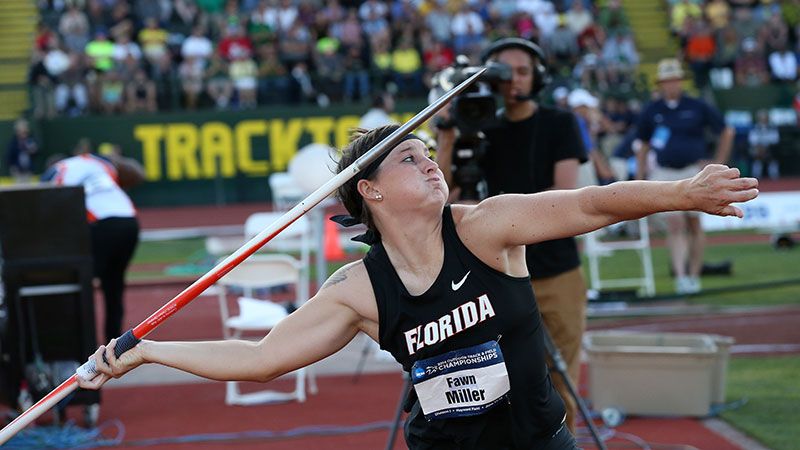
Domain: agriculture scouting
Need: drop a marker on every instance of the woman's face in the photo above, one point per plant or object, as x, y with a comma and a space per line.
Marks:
409, 178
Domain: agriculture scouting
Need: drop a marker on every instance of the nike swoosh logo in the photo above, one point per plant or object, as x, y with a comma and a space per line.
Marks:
457, 286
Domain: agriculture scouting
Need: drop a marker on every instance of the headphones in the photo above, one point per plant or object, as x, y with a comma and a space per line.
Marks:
540, 76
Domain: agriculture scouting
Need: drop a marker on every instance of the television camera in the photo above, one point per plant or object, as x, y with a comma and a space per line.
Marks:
470, 112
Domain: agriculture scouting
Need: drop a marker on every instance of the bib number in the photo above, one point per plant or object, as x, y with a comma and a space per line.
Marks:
464, 382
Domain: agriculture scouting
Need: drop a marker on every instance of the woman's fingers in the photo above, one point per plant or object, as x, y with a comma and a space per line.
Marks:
95, 383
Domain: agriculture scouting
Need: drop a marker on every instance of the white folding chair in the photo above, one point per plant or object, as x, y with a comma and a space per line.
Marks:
296, 238
255, 276
596, 247
285, 191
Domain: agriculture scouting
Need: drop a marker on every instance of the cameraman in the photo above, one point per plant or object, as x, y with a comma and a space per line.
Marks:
534, 148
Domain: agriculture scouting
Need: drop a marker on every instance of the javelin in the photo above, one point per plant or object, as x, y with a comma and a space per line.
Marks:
133, 336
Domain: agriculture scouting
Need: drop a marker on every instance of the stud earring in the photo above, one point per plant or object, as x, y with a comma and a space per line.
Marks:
378, 196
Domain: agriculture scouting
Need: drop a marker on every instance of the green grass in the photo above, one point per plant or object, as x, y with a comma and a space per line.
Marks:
769, 384
771, 414
174, 251
753, 263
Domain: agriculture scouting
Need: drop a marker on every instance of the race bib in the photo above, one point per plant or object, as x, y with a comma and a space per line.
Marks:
660, 137
464, 382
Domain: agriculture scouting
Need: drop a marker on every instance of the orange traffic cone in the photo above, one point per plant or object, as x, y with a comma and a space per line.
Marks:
333, 246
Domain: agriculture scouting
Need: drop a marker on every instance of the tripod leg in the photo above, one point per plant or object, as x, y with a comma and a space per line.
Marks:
398, 413
364, 354
561, 368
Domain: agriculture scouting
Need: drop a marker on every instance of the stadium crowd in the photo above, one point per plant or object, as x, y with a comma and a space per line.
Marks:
738, 42
114, 56
123, 56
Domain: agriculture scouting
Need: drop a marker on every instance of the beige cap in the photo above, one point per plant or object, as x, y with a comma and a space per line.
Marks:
669, 69
582, 97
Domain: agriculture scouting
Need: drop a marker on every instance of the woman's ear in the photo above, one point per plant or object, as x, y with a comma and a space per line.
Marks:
367, 190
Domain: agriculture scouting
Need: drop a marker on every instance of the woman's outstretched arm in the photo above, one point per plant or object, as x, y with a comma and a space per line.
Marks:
518, 219
319, 328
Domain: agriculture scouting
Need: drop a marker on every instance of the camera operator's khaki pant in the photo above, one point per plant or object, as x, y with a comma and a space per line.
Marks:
562, 304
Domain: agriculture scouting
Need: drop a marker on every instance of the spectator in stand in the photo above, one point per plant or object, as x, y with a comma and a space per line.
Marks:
72, 94
43, 77
750, 68
273, 80
468, 29
373, 10
381, 61
727, 47
153, 40
74, 28
407, 66
578, 18
287, 15
295, 45
242, 72
185, 16
122, 20
218, 83
438, 56
373, 18
546, 21
783, 64
790, 10
43, 35
144, 10
619, 58
191, 72
501, 11
100, 51
438, 21
699, 50
356, 74
682, 10
140, 93
234, 43
718, 13
332, 13
20, 151
197, 46
259, 31
763, 137
525, 27
329, 65
349, 30
561, 47
774, 33
611, 17
124, 49
745, 23
112, 92
231, 17
590, 69
304, 90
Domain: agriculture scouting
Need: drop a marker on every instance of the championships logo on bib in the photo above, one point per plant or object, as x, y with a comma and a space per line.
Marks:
464, 382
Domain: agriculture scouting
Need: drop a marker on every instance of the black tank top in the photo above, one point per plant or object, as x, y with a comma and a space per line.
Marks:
408, 329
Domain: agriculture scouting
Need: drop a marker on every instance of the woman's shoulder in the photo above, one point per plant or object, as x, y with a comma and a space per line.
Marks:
350, 285
351, 275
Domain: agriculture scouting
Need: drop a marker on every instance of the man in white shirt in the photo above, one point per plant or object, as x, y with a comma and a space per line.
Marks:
112, 221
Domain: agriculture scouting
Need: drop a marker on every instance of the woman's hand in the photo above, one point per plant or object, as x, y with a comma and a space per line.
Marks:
115, 367
715, 187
